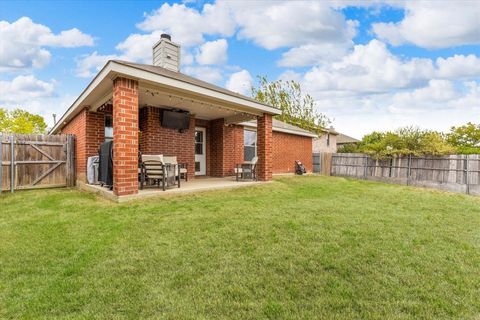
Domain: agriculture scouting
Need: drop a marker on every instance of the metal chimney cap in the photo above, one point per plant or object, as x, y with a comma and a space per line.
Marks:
166, 36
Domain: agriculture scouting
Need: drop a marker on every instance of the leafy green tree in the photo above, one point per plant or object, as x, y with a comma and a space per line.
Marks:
465, 138
297, 107
348, 148
21, 121
405, 141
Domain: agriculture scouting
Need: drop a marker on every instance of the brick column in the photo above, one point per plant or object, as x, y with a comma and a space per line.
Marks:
264, 147
125, 136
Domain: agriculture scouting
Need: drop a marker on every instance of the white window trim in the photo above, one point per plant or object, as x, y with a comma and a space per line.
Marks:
256, 141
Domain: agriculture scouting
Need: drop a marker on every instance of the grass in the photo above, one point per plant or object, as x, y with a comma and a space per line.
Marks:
299, 248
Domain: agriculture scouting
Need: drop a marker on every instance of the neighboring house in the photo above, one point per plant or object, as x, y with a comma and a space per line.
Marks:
331, 140
343, 139
326, 141
126, 103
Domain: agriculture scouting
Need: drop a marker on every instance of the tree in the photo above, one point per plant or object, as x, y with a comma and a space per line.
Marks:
297, 108
405, 141
465, 138
21, 121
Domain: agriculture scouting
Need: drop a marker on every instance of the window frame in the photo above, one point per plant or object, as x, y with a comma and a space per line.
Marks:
254, 146
108, 138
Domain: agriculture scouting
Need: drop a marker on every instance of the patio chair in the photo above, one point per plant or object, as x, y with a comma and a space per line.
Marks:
248, 169
152, 170
180, 168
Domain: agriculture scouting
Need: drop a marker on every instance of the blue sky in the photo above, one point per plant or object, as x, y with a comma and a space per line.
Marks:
369, 65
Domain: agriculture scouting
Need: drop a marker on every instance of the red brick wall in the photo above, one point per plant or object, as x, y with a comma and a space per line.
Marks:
125, 132
226, 148
287, 148
89, 130
77, 126
156, 139
216, 148
264, 147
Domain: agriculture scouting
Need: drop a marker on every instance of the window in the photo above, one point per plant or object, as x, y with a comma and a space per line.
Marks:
328, 139
249, 144
108, 127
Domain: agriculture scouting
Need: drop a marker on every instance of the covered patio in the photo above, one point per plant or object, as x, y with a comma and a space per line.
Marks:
135, 97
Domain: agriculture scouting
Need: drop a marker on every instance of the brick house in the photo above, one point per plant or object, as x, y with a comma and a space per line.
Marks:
125, 102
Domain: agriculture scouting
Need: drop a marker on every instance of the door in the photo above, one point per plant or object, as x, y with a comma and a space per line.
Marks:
200, 152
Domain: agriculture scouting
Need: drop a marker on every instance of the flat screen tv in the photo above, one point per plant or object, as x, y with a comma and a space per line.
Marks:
176, 119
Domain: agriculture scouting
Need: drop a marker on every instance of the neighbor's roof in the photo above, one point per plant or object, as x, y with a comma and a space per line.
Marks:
343, 139
102, 83
281, 126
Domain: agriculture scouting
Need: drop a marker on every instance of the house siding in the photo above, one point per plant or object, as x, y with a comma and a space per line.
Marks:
320, 144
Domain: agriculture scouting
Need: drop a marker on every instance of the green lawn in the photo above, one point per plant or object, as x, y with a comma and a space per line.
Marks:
299, 248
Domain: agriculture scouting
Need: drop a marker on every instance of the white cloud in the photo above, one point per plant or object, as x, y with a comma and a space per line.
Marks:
23, 43
25, 88
313, 30
188, 26
372, 68
240, 82
458, 66
212, 52
311, 54
430, 24
138, 47
436, 94
89, 65
274, 24
369, 68
208, 74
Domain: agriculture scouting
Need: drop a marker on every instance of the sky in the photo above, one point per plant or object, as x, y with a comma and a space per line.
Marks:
370, 65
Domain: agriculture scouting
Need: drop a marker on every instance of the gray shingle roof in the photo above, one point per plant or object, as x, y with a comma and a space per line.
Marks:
278, 125
343, 139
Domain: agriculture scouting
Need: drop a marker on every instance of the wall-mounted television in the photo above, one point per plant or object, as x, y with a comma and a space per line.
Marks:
175, 119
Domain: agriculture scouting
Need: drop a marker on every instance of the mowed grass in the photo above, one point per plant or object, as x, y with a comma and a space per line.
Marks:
298, 248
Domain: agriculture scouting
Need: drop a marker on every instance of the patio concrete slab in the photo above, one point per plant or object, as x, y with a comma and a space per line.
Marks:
191, 186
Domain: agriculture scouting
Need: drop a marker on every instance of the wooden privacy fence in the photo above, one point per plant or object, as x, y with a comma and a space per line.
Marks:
32, 161
458, 173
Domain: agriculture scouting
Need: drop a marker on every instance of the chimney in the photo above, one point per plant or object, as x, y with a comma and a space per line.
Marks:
166, 54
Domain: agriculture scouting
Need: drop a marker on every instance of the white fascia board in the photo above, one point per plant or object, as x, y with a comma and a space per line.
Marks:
277, 129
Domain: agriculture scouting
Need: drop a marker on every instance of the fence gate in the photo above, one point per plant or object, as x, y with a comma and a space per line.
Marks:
32, 161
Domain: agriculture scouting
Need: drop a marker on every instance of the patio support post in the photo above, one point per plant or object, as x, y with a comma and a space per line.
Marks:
264, 147
125, 136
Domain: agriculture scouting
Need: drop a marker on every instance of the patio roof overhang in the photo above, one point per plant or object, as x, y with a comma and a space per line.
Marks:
167, 89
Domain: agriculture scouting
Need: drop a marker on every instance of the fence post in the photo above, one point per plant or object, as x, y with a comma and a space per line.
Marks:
409, 166
365, 166
12, 163
331, 166
467, 189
